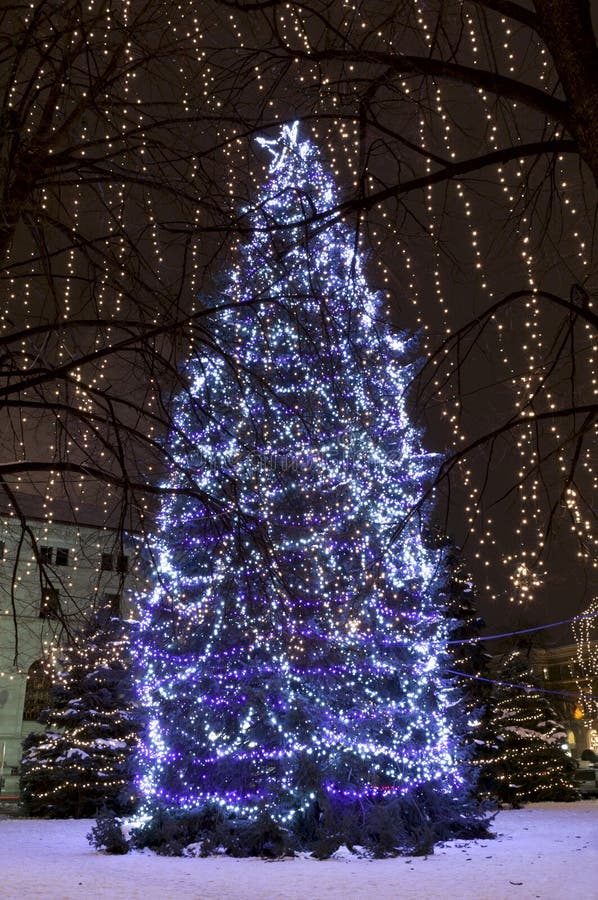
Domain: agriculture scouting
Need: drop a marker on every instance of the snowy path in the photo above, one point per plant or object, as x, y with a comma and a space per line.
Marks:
547, 851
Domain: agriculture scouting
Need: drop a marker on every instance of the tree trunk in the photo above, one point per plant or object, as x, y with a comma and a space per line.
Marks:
566, 28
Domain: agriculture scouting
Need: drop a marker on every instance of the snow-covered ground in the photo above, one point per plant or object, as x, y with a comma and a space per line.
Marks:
547, 851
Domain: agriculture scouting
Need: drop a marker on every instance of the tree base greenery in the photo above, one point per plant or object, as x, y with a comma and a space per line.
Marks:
107, 835
410, 825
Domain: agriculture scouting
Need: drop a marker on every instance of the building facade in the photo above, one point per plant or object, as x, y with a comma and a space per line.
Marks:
54, 572
563, 673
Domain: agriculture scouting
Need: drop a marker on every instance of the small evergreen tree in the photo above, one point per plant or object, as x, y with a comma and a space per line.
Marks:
526, 762
82, 762
467, 661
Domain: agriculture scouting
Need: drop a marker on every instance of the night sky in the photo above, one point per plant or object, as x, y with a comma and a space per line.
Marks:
134, 204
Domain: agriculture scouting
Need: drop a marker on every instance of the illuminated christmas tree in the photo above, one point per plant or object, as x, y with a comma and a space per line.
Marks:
82, 762
526, 762
292, 648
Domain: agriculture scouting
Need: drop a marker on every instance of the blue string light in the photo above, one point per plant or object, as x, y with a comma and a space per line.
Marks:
285, 634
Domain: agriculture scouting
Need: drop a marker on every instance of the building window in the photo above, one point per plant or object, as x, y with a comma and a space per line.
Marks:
2, 551
46, 555
62, 556
38, 691
560, 672
50, 603
112, 604
119, 564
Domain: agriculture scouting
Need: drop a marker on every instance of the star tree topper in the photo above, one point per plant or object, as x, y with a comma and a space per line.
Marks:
280, 146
